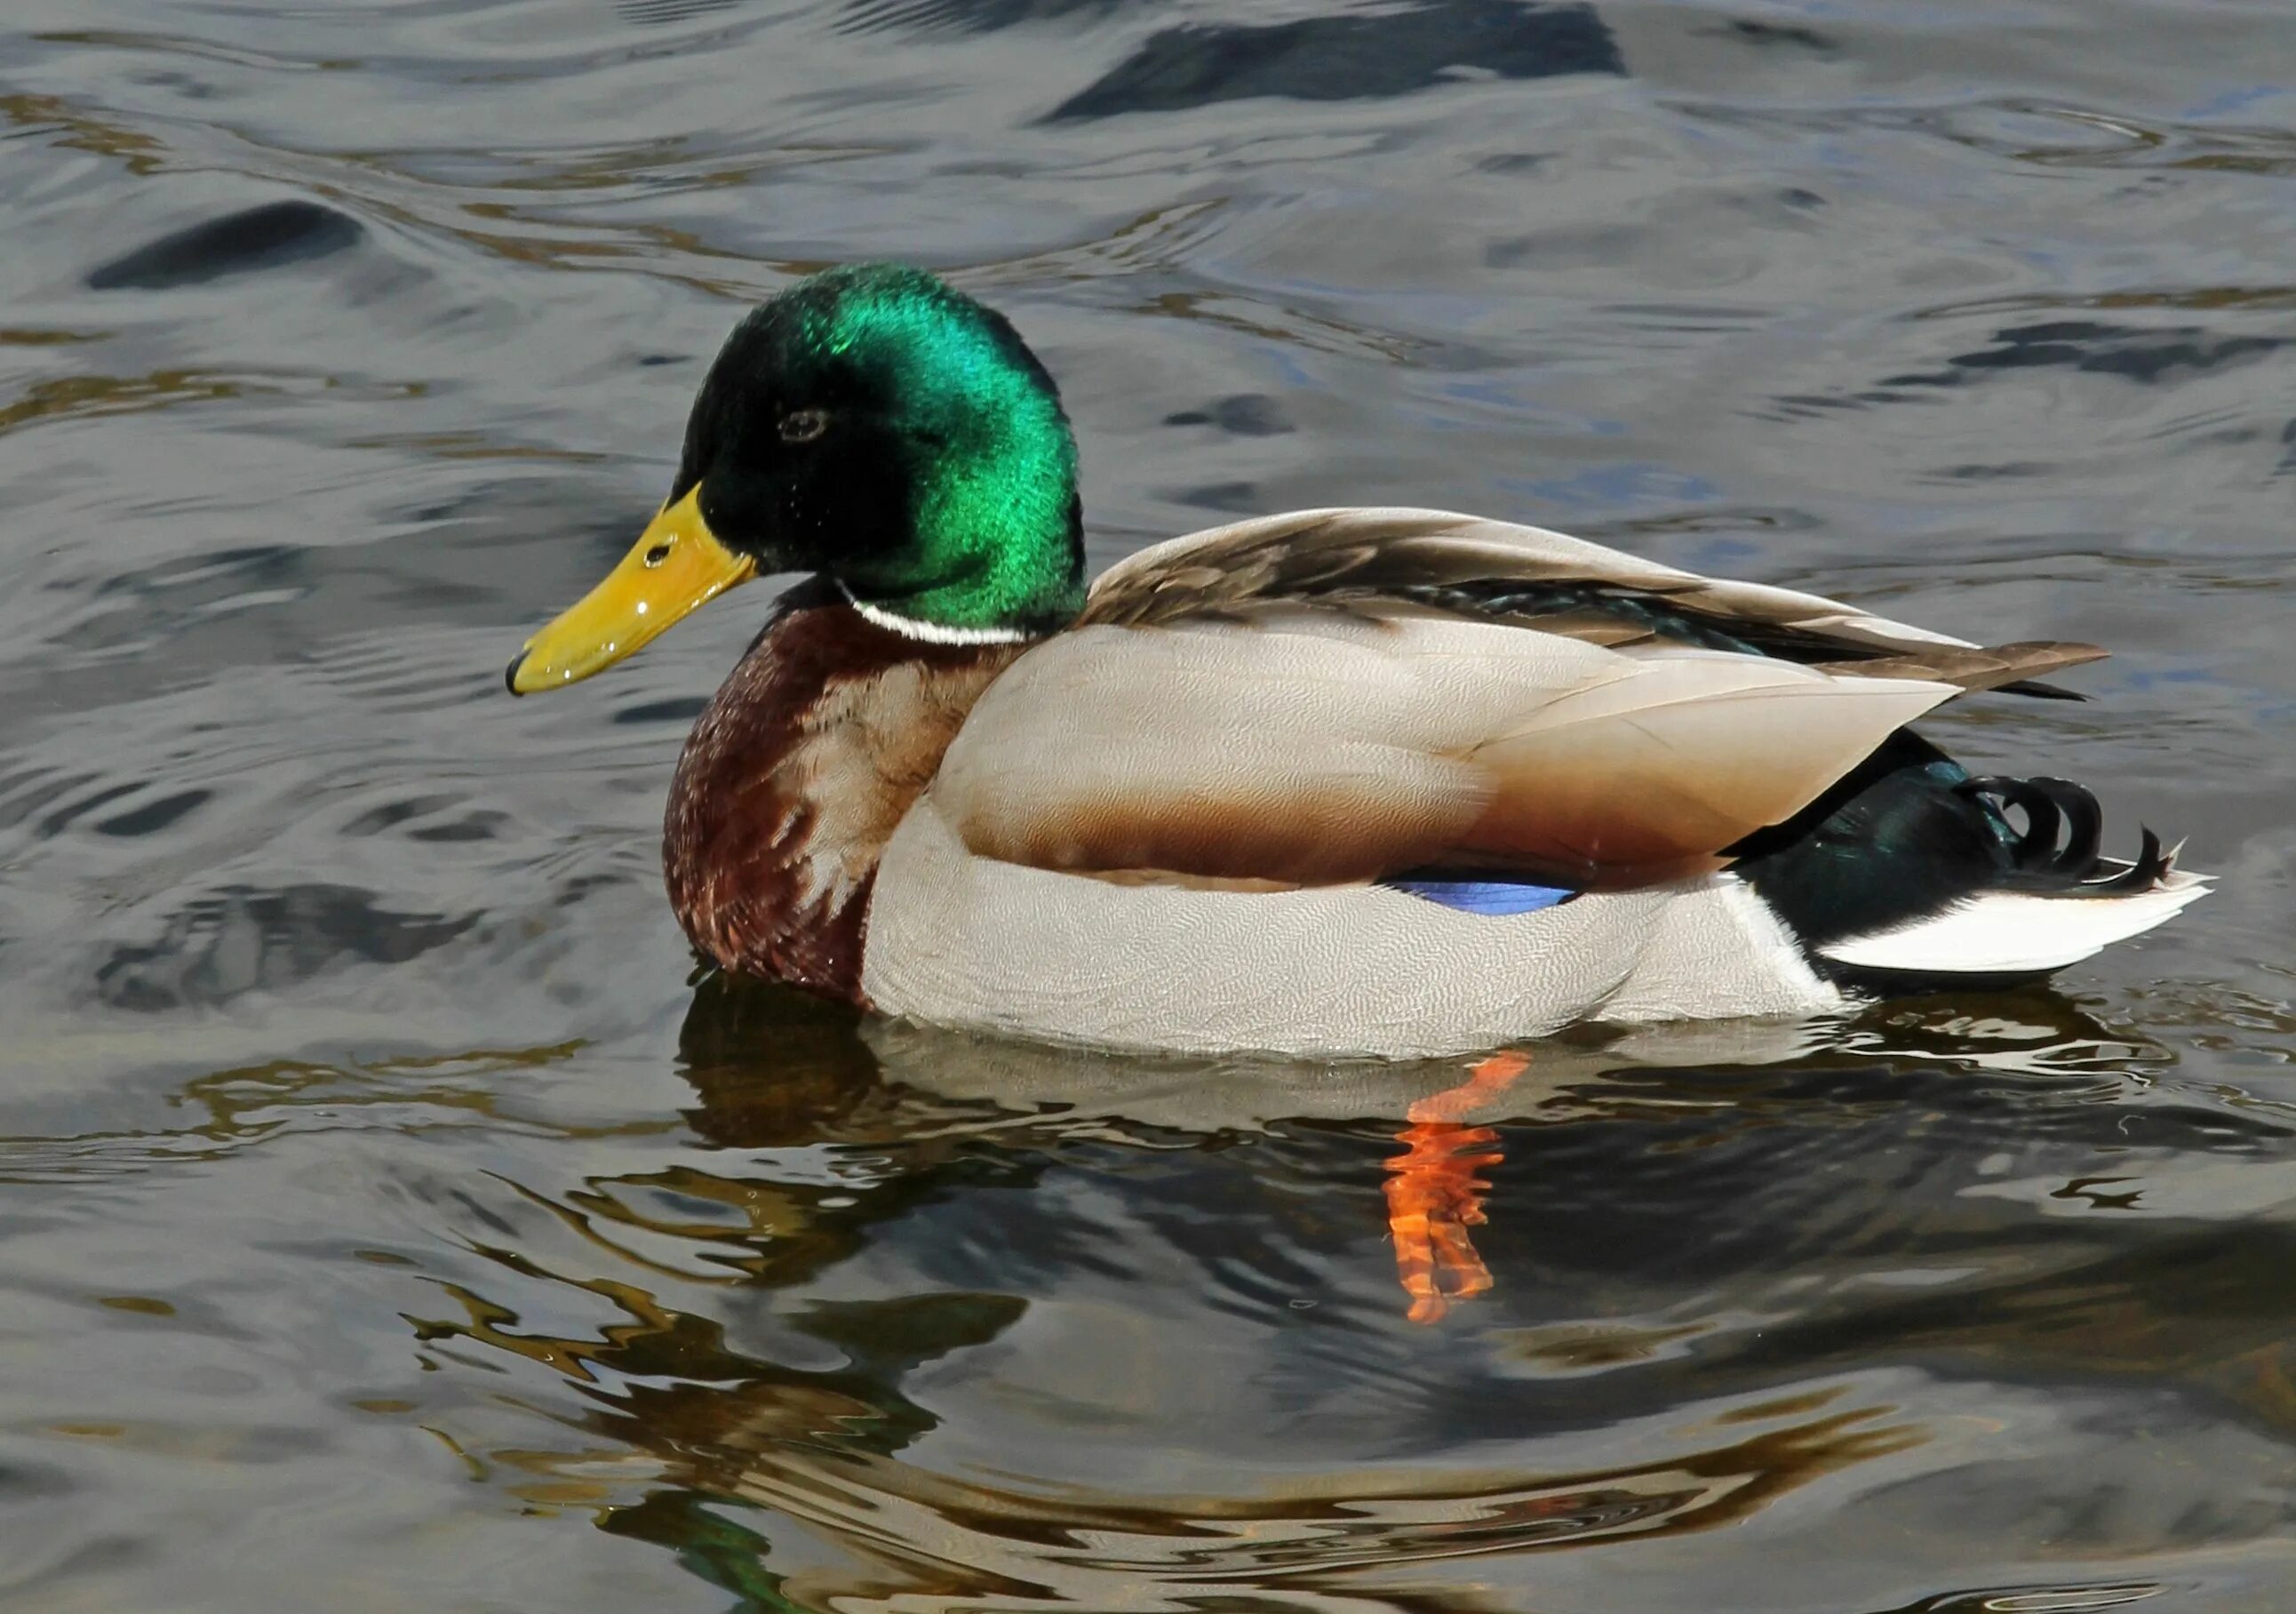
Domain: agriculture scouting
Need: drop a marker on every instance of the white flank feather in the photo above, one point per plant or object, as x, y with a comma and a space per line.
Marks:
2017, 932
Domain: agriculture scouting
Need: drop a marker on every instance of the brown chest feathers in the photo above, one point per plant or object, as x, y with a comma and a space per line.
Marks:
797, 775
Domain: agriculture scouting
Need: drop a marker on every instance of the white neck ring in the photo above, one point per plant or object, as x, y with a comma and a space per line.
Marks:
932, 633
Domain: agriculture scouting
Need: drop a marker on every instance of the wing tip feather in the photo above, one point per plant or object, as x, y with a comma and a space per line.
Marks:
2014, 668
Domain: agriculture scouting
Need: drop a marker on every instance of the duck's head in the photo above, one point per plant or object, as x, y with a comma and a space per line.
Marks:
872, 425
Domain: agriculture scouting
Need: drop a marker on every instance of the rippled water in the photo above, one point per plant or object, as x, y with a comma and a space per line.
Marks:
388, 1222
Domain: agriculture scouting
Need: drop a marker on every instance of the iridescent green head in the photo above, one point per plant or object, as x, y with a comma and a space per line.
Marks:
875, 424
872, 425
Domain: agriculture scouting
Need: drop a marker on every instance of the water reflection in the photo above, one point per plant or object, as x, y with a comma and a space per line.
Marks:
1348, 56
914, 1539
237, 940
261, 237
1669, 1266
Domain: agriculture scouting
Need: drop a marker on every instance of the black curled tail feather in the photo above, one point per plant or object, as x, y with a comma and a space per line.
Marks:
2057, 851
1908, 836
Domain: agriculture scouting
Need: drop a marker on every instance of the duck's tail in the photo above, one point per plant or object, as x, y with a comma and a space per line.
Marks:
1910, 873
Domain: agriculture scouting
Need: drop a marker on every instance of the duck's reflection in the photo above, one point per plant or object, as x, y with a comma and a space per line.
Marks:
774, 1068
1681, 1246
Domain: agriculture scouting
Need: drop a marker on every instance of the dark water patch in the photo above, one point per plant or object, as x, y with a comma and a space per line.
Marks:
679, 709
2191, 299
265, 237
655, 13
2201, 1299
243, 939
389, 815
2015, 470
154, 817
891, 1339
1774, 36
974, 16
2165, 357
30, 791
1230, 497
64, 817
21, 1482
1349, 57
479, 825
1240, 415
1804, 406
2093, 347
432, 819
211, 574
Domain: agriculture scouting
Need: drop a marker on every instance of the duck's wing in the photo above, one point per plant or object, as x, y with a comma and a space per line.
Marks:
1384, 560
1346, 695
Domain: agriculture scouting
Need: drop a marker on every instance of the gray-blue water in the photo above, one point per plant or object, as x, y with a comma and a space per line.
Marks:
385, 1222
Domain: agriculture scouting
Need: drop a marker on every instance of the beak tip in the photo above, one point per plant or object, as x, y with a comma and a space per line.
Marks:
510, 673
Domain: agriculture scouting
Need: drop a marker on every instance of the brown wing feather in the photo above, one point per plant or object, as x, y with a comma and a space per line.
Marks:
1379, 561
1650, 779
1315, 747
1996, 667
1334, 696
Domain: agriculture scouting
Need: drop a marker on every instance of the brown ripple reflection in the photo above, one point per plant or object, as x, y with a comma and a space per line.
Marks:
915, 1539
923, 1540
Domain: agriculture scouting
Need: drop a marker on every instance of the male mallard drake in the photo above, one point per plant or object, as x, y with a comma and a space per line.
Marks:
1341, 781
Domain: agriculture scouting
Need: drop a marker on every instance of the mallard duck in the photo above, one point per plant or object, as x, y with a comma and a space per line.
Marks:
1342, 781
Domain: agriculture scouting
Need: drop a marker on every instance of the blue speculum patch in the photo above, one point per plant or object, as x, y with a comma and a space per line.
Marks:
1496, 897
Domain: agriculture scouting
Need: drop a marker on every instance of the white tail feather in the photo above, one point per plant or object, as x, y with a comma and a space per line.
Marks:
2017, 932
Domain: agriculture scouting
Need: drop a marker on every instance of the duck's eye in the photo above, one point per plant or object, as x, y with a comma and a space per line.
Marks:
804, 425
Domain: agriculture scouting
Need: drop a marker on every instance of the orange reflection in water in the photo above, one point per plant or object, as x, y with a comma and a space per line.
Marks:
1434, 1195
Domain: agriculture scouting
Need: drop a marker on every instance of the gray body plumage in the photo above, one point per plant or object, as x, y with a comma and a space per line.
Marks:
1165, 827
955, 939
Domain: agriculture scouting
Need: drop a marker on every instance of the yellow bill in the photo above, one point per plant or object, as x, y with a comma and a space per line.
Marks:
675, 568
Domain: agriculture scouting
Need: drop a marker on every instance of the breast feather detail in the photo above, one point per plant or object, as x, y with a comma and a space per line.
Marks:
794, 778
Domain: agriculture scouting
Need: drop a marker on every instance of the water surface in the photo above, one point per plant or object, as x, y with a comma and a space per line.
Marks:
390, 1223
